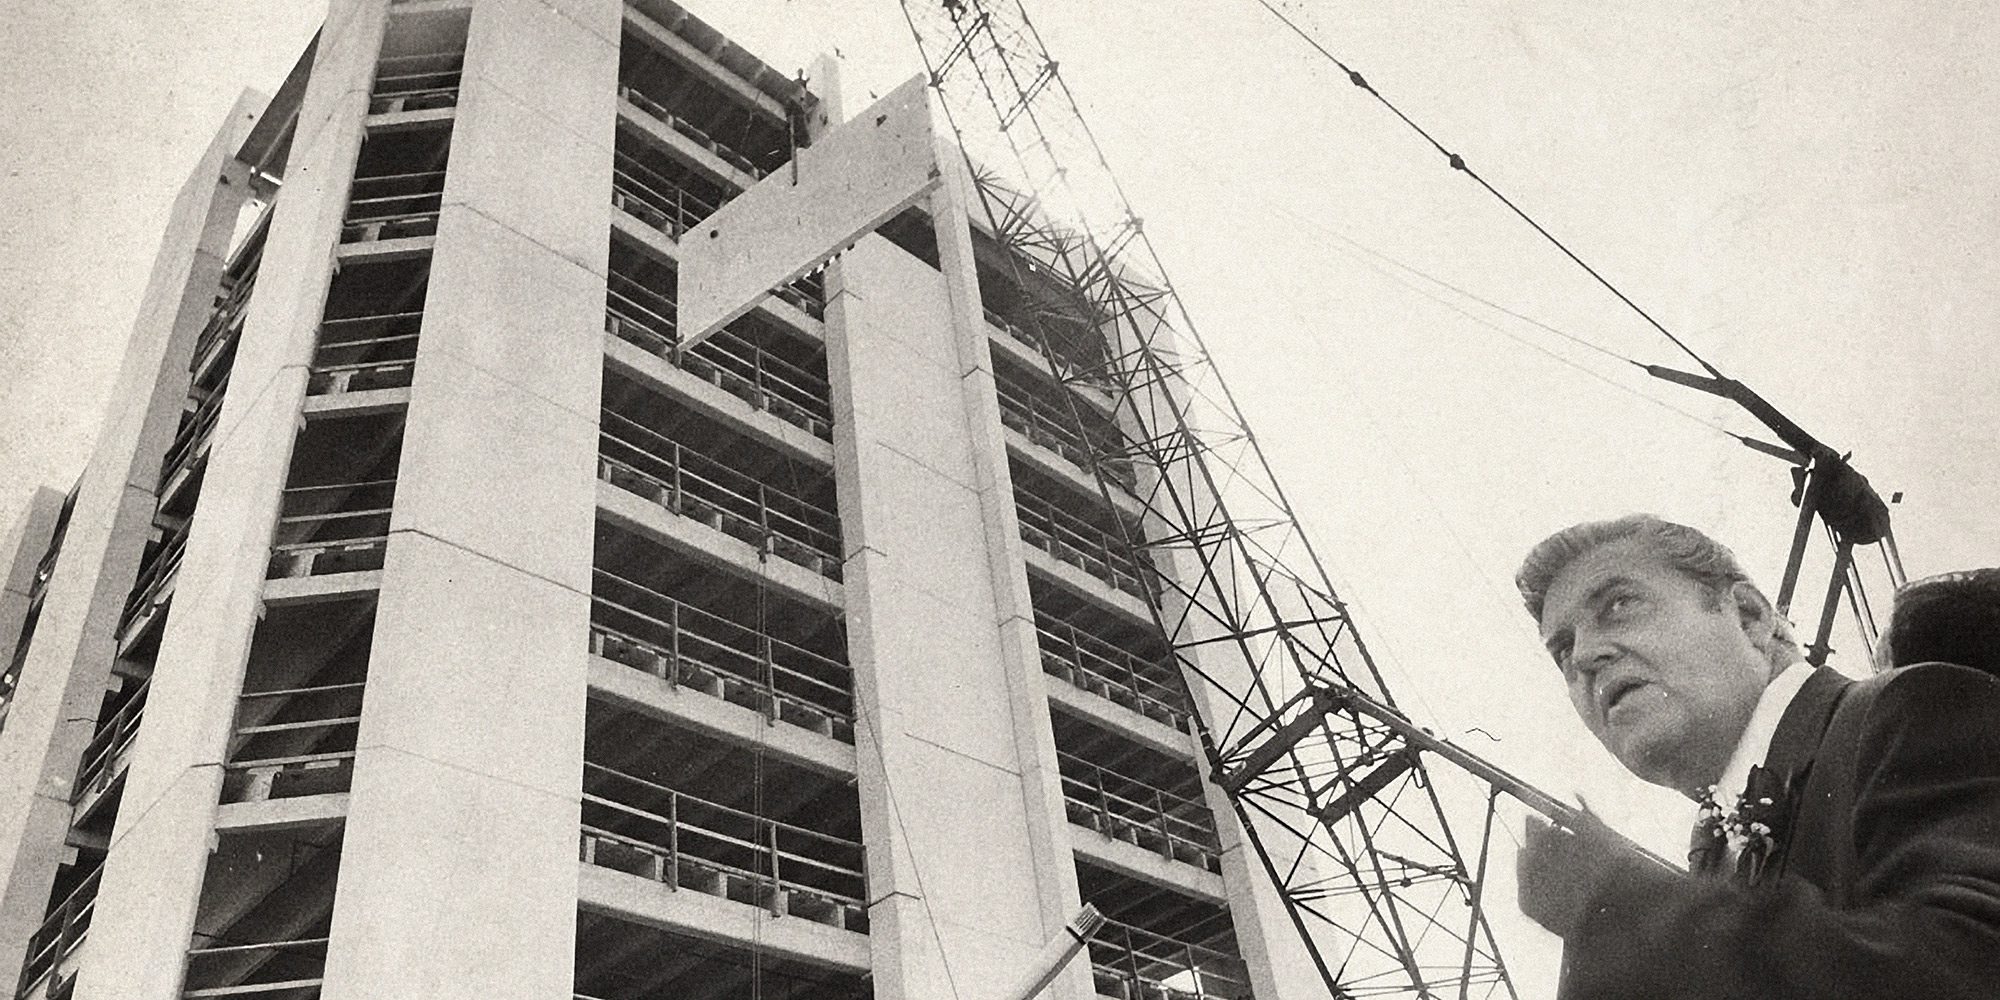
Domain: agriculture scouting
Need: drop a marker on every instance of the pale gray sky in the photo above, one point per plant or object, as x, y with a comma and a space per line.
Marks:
1806, 192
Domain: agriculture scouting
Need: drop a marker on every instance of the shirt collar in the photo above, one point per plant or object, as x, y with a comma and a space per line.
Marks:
1755, 744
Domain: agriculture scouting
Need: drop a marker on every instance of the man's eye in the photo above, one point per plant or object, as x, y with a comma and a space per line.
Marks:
1621, 604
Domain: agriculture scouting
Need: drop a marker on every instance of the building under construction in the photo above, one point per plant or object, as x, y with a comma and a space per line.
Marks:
434, 619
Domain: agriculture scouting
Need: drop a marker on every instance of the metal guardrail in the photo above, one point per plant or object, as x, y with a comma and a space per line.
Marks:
1121, 807
641, 316
1110, 671
225, 323
294, 757
154, 585
107, 746
1130, 963
1048, 425
646, 195
393, 206
239, 279
691, 843
1026, 338
1074, 540
60, 934
688, 647
252, 970
693, 485
358, 353
337, 528
193, 437
420, 82
687, 129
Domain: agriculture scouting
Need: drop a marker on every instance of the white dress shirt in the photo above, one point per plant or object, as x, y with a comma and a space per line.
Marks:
1755, 744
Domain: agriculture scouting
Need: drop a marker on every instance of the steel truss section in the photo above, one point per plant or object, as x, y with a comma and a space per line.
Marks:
1333, 786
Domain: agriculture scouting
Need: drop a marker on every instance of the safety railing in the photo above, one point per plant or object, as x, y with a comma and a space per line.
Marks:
1130, 963
58, 936
642, 628
191, 440
807, 295
294, 968
155, 582
420, 82
107, 747
225, 323
1077, 541
281, 758
239, 279
1108, 671
1049, 425
646, 195
45, 570
642, 316
338, 528
393, 206
687, 129
1173, 826
646, 829
686, 482
1081, 371
357, 353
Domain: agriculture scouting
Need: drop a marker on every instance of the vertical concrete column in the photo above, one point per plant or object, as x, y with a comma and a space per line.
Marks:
148, 899
968, 857
459, 865
63, 681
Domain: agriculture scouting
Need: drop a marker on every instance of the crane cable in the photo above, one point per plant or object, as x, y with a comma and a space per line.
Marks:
1458, 163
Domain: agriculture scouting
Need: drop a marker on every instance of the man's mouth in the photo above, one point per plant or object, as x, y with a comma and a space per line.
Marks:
1618, 690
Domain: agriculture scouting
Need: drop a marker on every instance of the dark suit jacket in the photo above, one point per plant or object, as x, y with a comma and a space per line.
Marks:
1885, 882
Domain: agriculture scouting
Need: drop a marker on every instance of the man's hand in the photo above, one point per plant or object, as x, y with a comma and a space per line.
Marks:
1558, 869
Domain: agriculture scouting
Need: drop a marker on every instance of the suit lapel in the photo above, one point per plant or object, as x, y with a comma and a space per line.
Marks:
1796, 743
1796, 740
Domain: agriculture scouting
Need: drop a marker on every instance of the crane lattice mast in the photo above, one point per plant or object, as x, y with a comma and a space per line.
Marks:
1332, 784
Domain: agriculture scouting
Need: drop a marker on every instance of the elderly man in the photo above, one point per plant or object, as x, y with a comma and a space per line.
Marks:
1849, 836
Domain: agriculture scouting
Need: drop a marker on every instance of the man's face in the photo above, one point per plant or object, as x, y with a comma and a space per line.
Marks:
1662, 673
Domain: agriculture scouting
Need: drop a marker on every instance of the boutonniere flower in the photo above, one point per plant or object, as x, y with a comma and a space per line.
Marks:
1755, 828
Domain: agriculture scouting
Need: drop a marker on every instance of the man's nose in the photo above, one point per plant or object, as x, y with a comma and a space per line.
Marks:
1591, 654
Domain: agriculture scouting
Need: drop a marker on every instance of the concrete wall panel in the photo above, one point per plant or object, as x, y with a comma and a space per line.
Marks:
454, 882
145, 913
500, 303
558, 61
474, 440
531, 149
458, 875
69, 664
478, 665
192, 702
955, 757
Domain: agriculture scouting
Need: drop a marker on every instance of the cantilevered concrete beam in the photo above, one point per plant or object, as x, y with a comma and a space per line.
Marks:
848, 182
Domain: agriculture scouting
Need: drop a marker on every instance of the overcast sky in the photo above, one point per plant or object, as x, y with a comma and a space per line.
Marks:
1805, 192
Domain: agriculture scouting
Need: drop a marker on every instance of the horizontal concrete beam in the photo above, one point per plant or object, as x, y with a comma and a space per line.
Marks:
712, 918
1147, 866
281, 814
708, 545
1089, 587
713, 401
714, 72
1110, 715
642, 692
